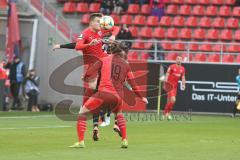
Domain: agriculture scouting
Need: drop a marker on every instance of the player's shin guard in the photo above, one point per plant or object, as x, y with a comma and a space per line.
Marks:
122, 125
81, 127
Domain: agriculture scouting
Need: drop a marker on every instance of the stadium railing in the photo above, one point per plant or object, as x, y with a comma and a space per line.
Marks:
55, 19
220, 49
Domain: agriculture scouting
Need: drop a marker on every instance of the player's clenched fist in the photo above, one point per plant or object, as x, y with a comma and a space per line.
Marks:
56, 46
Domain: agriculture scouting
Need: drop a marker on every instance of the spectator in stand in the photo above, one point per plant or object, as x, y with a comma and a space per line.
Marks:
156, 3
141, 2
119, 6
125, 34
106, 7
157, 8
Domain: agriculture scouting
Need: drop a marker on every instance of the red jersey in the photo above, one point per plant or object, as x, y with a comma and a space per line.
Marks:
114, 72
96, 50
175, 73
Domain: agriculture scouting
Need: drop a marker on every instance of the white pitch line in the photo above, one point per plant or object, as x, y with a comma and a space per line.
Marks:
44, 127
26, 117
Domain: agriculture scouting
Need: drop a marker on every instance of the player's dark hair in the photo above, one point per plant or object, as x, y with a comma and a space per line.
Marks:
94, 15
117, 48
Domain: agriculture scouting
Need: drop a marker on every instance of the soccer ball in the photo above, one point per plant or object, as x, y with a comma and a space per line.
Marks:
106, 22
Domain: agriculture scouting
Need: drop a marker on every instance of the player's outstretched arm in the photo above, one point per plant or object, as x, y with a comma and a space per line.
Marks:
67, 46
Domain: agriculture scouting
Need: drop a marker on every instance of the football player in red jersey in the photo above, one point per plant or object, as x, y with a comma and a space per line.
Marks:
90, 42
174, 73
114, 70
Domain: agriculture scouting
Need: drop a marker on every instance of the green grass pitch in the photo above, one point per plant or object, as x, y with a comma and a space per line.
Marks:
43, 136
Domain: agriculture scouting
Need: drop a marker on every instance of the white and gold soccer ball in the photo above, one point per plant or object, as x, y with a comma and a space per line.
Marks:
106, 22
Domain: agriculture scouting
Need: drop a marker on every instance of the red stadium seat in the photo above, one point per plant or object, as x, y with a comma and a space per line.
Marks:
212, 34
219, 48
145, 9
139, 20
148, 45
232, 23
82, 8
171, 56
172, 10
185, 33
85, 19
186, 57
138, 45
167, 1
198, 10
185, 10
69, 7
205, 47
234, 48
144, 56
226, 35
132, 55
193, 47
238, 59
191, 2
211, 11
133, 9
159, 33
3, 4
237, 35
146, 32
126, 19
205, 22
224, 11
178, 21
177, 1
230, 2
172, 33
217, 2
214, 58
199, 34
236, 12
134, 31
179, 46
191, 22
152, 20
218, 22
165, 21
94, 7
200, 57
204, 2
116, 19
166, 45
228, 58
